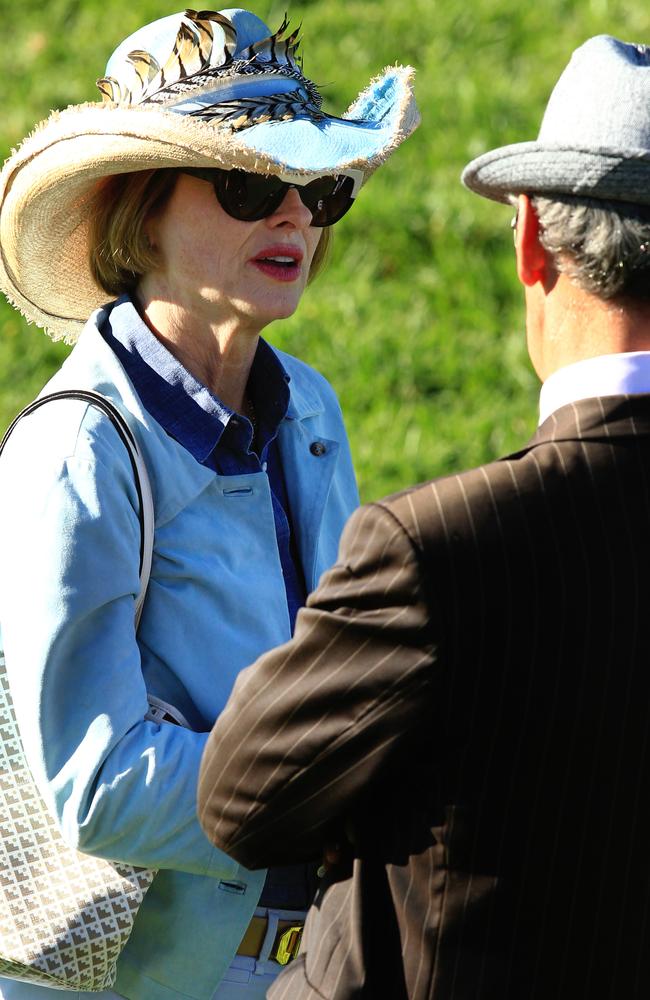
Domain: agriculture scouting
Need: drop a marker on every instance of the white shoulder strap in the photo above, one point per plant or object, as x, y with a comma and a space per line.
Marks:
141, 477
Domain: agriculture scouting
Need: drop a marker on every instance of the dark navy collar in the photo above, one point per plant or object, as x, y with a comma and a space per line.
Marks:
182, 405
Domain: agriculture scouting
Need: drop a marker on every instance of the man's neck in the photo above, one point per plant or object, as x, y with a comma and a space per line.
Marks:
577, 325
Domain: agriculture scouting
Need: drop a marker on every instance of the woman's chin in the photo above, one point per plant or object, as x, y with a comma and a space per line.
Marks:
265, 312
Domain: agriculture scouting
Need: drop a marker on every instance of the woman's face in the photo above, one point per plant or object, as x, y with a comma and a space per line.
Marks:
221, 269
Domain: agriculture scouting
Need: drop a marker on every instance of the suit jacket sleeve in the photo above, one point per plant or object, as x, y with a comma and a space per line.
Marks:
312, 723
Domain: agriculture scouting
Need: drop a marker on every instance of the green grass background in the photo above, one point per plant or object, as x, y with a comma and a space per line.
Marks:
418, 320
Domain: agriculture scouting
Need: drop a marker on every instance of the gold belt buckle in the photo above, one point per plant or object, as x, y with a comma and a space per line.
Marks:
288, 945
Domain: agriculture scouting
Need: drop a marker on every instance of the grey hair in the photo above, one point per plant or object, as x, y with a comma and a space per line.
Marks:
602, 246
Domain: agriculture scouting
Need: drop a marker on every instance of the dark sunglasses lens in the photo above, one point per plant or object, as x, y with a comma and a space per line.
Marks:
248, 197
328, 198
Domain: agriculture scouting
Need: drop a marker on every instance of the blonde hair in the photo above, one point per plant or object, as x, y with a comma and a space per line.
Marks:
118, 246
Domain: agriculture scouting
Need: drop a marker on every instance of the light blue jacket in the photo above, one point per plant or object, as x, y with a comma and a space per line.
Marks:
124, 788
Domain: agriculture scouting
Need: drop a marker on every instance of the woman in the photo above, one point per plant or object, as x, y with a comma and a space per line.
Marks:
198, 198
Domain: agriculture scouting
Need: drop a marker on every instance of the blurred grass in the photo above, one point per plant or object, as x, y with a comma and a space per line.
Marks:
418, 320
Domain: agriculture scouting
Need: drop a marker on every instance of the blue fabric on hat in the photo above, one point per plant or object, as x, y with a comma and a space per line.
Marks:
249, 27
303, 144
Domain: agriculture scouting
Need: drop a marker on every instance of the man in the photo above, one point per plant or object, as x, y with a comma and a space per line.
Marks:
465, 707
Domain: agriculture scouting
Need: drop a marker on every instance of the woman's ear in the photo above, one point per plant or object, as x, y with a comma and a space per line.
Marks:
532, 259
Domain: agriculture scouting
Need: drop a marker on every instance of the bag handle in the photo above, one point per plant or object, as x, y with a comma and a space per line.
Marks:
140, 475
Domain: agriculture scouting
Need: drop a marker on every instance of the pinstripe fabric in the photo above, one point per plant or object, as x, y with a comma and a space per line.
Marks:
467, 698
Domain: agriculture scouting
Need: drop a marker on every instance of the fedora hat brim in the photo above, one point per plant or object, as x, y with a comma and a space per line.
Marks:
46, 186
546, 168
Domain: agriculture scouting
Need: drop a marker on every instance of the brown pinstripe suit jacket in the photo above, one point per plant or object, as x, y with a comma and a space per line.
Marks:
468, 696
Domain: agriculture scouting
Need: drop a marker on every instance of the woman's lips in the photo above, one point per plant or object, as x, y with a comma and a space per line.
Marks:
280, 262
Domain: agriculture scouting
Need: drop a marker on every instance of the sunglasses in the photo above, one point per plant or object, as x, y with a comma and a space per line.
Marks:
249, 197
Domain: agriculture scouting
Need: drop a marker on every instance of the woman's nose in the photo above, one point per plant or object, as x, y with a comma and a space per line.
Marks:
291, 211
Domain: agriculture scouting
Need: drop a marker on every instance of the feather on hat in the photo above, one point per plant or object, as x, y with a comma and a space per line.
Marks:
197, 89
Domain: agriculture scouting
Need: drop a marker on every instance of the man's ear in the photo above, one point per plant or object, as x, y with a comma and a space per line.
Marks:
532, 260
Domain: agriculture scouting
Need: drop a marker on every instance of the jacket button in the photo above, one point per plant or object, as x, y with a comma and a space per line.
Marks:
317, 448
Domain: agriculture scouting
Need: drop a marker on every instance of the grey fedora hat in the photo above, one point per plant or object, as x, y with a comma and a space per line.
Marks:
594, 139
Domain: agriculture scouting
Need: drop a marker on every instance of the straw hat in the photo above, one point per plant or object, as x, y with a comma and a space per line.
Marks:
189, 90
594, 139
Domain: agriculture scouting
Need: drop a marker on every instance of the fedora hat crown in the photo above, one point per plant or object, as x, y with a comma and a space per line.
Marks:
602, 99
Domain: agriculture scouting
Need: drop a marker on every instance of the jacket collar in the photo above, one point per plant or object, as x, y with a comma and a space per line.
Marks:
305, 400
600, 418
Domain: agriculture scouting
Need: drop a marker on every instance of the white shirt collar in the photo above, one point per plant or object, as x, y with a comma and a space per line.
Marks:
606, 375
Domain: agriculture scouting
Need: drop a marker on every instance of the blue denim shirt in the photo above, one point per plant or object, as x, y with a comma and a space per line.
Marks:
123, 787
214, 434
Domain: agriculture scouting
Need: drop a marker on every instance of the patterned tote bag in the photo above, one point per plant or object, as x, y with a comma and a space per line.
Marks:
64, 916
